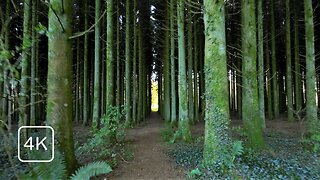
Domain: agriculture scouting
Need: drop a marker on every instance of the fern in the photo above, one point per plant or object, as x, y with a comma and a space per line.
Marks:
53, 170
237, 148
90, 170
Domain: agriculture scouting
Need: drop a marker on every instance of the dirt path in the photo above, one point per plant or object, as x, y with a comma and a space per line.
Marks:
150, 160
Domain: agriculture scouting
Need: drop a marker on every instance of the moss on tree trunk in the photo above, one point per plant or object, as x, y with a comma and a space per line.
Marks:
312, 116
184, 126
96, 84
216, 80
59, 102
250, 103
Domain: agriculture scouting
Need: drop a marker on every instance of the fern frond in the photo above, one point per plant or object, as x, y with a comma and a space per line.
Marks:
91, 170
53, 170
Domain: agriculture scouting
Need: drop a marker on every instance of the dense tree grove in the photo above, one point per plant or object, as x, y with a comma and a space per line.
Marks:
64, 63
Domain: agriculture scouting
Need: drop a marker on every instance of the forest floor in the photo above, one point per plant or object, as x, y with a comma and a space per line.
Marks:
284, 158
150, 154
153, 158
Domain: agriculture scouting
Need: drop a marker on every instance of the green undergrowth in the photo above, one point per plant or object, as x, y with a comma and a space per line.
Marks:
11, 168
284, 158
171, 134
56, 169
167, 132
108, 142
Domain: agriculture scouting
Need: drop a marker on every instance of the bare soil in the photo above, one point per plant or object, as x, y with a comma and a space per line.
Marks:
150, 159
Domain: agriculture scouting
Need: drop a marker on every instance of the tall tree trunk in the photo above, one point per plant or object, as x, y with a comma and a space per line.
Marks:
261, 63
128, 66
172, 62
184, 126
312, 116
275, 87
110, 57
34, 41
269, 79
134, 64
85, 68
190, 67
250, 102
4, 90
140, 96
298, 87
289, 64
118, 79
217, 106
160, 91
196, 85
26, 44
59, 102
166, 68
77, 82
239, 86
96, 85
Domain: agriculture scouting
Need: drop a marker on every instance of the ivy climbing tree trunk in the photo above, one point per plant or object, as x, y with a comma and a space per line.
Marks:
184, 126
59, 102
216, 90
289, 64
250, 103
312, 116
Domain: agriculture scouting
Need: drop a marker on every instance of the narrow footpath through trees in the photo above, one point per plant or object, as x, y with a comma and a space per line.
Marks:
150, 159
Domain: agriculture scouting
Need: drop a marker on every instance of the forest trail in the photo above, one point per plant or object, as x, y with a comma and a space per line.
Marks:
150, 159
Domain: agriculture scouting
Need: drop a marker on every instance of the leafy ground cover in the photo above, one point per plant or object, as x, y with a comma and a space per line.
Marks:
285, 158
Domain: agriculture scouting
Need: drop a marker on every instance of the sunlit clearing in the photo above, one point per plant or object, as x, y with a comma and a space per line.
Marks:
154, 96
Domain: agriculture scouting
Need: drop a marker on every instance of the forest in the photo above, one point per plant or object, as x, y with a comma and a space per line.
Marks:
159, 89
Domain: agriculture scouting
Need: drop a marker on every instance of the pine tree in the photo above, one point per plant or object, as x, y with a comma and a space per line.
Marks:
96, 85
261, 62
289, 64
250, 104
312, 116
172, 62
216, 91
184, 126
275, 87
59, 101
110, 57
128, 66
85, 68
166, 68
25, 62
